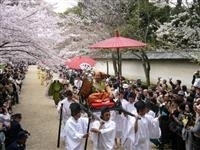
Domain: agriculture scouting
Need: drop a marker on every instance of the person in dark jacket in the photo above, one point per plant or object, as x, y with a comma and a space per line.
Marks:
15, 128
19, 143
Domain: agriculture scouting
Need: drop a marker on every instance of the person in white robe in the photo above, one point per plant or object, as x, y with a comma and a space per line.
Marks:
78, 82
119, 118
75, 130
130, 107
103, 132
140, 129
66, 112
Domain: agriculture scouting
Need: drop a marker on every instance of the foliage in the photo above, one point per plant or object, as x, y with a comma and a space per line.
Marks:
74, 10
182, 32
111, 12
142, 16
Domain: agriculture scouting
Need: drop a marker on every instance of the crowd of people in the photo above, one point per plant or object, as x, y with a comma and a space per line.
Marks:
167, 114
12, 135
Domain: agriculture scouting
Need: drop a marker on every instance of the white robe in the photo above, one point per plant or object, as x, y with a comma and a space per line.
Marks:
106, 139
78, 84
73, 133
130, 108
120, 119
66, 113
148, 127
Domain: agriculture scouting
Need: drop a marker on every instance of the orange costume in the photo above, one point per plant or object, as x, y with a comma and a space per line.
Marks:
101, 92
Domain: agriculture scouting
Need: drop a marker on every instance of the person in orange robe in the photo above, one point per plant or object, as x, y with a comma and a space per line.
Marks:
101, 91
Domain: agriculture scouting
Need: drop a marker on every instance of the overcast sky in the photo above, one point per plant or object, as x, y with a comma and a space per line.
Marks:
61, 5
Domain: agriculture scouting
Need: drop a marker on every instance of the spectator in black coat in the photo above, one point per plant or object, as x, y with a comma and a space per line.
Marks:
15, 128
19, 143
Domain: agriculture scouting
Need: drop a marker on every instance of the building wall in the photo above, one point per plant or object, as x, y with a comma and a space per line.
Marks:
133, 69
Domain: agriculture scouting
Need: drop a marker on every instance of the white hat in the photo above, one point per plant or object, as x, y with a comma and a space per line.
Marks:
125, 86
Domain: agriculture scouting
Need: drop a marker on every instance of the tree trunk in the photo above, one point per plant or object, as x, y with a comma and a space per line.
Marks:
147, 67
114, 64
145, 60
120, 64
179, 3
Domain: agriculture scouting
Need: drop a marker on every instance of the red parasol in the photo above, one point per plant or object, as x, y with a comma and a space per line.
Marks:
118, 42
81, 62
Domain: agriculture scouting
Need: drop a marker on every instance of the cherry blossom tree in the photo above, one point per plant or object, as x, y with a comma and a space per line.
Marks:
31, 28
28, 27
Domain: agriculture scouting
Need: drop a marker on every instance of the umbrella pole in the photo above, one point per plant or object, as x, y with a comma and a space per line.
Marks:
119, 73
107, 67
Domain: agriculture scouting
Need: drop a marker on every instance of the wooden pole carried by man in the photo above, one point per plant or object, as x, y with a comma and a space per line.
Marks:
59, 128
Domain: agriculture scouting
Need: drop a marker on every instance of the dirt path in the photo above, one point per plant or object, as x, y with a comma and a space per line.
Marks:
38, 112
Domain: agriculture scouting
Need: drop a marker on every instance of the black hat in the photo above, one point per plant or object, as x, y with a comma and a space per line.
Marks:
104, 110
140, 105
68, 93
131, 95
75, 108
17, 115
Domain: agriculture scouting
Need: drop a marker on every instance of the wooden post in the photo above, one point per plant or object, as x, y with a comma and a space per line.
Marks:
60, 123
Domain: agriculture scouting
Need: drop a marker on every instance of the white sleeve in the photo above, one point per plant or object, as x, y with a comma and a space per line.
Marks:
59, 106
95, 125
111, 128
154, 127
70, 130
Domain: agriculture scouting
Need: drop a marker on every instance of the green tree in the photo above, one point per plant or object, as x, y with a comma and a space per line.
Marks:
141, 24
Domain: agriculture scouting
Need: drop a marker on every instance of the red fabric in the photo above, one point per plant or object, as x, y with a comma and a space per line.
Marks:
101, 105
79, 62
118, 42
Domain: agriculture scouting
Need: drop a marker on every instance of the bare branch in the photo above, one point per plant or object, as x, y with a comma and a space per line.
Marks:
29, 15
14, 46
20, 50
4, 43
9, 28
